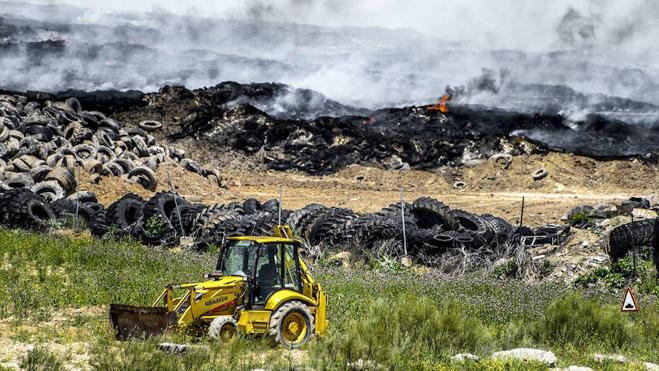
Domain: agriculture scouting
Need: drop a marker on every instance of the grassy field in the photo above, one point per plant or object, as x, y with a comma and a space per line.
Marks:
55, 292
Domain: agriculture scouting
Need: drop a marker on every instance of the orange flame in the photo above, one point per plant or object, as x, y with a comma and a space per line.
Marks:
441, 106
370, 121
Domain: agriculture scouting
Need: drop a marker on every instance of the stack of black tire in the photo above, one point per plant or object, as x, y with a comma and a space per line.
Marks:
23, 208
431, 227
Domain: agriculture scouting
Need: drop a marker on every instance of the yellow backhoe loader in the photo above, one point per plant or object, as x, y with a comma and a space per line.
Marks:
260, 286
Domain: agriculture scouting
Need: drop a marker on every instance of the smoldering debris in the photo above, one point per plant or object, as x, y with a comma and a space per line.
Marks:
58, 47
226, 118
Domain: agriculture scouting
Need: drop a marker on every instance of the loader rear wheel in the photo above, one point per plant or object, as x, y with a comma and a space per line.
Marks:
223, 328
292, 325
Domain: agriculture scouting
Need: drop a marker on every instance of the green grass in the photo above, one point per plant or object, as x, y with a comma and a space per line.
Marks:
40, 359
40, 272
622, 273
399, 320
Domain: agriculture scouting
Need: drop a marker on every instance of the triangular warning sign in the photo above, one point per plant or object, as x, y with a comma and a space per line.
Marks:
629, 304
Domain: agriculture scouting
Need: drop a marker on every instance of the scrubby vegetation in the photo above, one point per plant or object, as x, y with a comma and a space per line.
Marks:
389, 317
622, 273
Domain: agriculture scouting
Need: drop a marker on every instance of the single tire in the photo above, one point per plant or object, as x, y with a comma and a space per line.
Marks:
125, 214
161, 205
84, 197
144, 176
464, 239
188, 215
98, 226
49, 190
292, 325
63, 207
444, 239
223, 328
19, 181
63, 176
40, 172
502, 159
498, 226
627, 236
84, 151
76, 133
29, 210
112, 169
430, 212
126, 165
540, 174
150, 125
40, 133
141, 149
105, 154
74, 104
251, 206
473, 223
104, 139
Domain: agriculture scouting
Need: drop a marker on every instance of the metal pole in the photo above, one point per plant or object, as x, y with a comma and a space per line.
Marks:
279, 205
178, 212
77, 173
521, 217
402, 213
633, 249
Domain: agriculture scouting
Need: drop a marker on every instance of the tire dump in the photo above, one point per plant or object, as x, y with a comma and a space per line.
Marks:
48, 139
329, 185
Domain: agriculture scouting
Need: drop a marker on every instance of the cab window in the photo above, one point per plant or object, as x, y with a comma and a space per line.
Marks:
268, 273
291, 269
238, 258
276, 268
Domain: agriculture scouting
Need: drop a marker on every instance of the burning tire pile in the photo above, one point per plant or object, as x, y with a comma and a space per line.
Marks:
42, 146
322, 139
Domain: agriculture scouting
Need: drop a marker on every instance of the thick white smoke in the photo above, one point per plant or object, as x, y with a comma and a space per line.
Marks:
370, 53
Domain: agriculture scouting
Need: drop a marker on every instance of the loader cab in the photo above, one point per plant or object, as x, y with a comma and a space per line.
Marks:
269, 265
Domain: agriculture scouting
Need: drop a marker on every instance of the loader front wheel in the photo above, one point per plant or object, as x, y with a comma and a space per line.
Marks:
223, 328
292, 325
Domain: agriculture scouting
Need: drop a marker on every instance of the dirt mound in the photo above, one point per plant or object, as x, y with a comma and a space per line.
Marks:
565, 173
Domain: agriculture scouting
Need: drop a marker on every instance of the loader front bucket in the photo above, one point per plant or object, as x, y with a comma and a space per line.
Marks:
139, 322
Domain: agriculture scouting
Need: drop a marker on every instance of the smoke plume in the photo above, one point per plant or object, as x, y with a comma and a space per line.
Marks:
568, 56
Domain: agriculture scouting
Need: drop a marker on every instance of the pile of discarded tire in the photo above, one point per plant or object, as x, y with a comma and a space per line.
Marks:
431, 229
43, 145
430, 226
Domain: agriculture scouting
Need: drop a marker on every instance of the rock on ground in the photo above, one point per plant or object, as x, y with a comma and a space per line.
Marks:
609, 357
461, 357
527, 354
